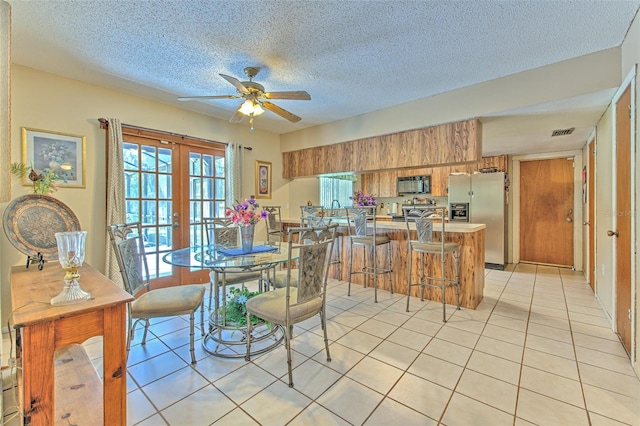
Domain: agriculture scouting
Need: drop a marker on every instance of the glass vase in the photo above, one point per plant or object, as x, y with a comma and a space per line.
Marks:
246, 238
71, 247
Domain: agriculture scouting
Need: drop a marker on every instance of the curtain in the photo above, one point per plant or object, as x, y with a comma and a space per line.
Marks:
235, 159
116, 212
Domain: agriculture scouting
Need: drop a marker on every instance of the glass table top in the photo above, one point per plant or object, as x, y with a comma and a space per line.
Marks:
211, 257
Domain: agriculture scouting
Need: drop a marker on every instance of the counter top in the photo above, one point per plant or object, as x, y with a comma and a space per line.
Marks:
449, 227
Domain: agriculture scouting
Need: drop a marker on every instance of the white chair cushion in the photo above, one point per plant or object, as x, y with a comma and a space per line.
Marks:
271, 306
168, 301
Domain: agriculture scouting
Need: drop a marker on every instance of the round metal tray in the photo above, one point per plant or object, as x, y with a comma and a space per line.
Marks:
31, 221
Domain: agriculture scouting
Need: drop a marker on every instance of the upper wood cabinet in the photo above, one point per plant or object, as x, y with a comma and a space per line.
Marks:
451, 143
383, 183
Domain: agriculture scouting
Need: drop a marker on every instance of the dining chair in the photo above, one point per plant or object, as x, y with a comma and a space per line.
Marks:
274, 223
425, 245
225, 233
311, 249
361, 221
128, 244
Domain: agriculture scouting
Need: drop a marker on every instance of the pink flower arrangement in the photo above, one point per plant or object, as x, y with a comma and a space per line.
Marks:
360, 199
245, 213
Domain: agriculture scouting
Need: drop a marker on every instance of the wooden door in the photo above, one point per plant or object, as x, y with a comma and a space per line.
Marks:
546, 211
623, 215
591, 181
202, 194
171, 182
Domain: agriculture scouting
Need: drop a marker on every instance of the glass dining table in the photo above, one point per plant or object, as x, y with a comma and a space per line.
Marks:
226, 338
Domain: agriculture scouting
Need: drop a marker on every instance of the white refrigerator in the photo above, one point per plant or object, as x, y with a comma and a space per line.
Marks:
487, 198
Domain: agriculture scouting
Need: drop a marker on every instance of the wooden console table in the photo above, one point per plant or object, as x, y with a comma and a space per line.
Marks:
41, 329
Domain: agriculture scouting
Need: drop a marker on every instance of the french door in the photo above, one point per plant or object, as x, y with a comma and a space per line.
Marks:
170, 185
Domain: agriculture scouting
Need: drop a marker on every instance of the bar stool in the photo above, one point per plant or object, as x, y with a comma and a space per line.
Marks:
423, 217
225, 232
312, 216
364, 234
274, 223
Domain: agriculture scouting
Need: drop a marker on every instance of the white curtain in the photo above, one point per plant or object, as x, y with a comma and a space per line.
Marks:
235, 160
116, 212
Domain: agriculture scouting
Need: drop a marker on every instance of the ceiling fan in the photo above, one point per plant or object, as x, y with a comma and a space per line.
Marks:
255, 98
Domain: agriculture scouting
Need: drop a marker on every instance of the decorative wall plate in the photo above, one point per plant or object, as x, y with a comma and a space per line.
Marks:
31, 221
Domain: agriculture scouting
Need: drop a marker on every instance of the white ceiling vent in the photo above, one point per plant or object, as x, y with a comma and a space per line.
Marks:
562, 132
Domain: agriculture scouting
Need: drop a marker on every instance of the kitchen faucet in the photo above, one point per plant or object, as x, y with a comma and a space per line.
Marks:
335, 202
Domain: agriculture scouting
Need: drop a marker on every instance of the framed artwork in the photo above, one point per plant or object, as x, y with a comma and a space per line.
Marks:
263, 179
61, 152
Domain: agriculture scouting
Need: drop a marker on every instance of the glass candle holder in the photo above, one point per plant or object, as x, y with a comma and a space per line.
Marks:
71, 247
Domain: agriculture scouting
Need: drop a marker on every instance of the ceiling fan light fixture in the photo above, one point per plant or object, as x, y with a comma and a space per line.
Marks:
251, 107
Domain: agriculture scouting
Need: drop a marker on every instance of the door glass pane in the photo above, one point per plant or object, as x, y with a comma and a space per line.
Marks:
194, 164
148, 185
220, 166
220, 193
133, 210
195, 188
164, 212
131, 184
207, 188
164, 160
148, 158
149, 216
207, 165
131, 160
164, 187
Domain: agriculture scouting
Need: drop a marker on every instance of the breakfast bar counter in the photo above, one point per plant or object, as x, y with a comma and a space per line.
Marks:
470, 237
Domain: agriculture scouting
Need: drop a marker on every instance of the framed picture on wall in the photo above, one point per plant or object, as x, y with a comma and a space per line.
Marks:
263, 179
61, 152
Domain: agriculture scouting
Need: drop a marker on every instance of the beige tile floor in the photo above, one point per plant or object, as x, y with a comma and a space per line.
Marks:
537, 350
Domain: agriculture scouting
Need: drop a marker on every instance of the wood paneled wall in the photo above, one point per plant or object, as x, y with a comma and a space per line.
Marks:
451, 143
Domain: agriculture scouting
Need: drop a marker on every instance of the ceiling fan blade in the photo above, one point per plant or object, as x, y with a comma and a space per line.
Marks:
281, 112
189, 98
238, 85
237, 116
294, 94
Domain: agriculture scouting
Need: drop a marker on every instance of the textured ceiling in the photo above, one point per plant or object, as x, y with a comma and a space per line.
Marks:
353, 57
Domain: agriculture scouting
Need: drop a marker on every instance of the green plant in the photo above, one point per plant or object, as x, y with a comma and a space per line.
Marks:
236, 307
43, 182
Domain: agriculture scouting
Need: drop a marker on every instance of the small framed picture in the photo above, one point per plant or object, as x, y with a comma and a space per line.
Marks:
60, 152
263, 179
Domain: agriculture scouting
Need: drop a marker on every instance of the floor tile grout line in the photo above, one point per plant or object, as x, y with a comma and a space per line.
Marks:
453, 391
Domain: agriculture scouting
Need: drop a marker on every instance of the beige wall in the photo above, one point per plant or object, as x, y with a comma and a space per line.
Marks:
48, 102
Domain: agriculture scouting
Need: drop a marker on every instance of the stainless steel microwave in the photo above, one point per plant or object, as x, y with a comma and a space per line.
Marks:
414, 185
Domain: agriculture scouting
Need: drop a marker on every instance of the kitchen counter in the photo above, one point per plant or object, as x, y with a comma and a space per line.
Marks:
461, 227
470, 237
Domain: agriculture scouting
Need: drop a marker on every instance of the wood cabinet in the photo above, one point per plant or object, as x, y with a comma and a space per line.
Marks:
44, 331
450, 143
383, 183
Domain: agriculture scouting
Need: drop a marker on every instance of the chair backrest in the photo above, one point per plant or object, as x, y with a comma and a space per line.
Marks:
128, 243
313, 259
312, 216
423, 217
363, 219
221, 231
273, 221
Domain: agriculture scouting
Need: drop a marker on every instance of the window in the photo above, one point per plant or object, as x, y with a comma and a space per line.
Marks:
338, 188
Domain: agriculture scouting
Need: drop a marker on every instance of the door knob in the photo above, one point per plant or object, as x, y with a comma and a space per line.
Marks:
612, 233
